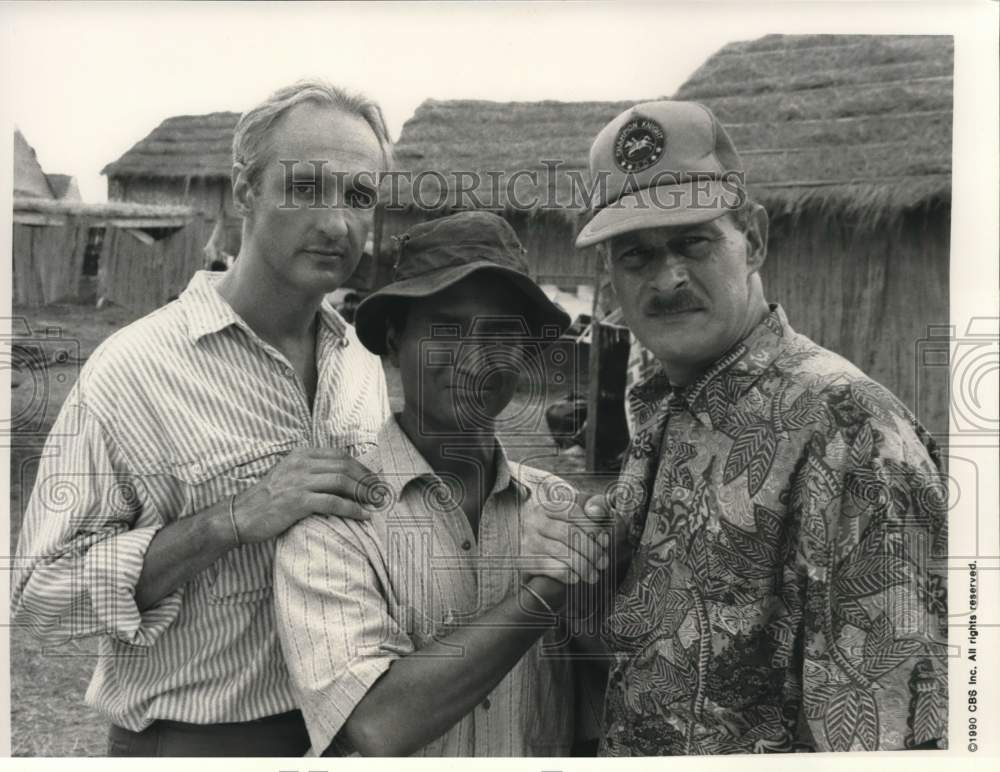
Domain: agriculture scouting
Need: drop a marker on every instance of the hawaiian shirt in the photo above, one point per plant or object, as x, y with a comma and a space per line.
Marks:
787, 588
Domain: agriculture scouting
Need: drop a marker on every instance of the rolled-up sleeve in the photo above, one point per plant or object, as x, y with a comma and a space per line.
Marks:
334, 621
83, 541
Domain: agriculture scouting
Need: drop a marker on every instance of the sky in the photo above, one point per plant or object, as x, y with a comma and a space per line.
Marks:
84, 82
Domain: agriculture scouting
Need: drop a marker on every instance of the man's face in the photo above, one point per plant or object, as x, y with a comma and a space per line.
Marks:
309, 228
460, 354
685, 290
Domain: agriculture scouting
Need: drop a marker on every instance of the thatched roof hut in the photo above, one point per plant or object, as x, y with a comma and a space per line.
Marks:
29, 178
526, 160
857, 124
847, 142
182, 147
548, 142
184, 161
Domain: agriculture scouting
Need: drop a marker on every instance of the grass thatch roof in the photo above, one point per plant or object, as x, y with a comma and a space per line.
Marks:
29, 179
848, 122
182, 146
64, 186
480, 137
839, 122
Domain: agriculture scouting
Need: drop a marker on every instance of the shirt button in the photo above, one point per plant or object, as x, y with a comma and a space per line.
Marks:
486, 704
467, 545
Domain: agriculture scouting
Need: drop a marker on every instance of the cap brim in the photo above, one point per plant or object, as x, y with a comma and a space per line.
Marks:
661, 206
371, 315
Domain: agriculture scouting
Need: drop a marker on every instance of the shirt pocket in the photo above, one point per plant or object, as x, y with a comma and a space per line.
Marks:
244, 573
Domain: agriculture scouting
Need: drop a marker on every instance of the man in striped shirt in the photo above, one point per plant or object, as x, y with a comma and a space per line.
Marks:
198, 434
428, 629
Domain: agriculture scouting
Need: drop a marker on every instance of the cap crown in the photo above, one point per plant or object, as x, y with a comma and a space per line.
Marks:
660, 143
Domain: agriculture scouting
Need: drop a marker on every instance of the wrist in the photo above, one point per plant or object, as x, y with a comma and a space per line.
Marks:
220, 532
551, 591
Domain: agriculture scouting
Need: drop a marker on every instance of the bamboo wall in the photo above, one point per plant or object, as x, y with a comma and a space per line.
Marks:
869, 296
142, 276
48, 261
207, 195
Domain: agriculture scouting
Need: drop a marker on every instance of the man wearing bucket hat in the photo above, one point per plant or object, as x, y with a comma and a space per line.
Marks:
421, 630
787, 588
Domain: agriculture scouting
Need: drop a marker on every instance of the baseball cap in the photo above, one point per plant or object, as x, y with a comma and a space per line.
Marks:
661, 163
434, 255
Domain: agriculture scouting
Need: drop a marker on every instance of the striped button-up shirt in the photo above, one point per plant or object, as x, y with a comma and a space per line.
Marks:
169, 416
352, 597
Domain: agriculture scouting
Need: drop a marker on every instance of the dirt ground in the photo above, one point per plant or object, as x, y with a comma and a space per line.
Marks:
48, 717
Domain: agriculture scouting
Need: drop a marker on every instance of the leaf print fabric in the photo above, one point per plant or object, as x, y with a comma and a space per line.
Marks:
787, 587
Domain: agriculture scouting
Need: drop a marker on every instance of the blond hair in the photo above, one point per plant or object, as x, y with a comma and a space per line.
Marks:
250, 145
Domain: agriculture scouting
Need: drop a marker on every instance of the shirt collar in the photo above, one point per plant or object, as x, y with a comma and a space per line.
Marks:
208, 312
732, 375
402, 463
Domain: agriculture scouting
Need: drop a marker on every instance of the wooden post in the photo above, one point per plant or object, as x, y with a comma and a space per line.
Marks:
593, 376
378, 279
607, 432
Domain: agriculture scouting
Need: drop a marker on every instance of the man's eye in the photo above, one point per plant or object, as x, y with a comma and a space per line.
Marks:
634, 257
303, 188
691, 245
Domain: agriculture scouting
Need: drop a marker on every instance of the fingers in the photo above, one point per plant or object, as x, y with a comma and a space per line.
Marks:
597, 509
327, 504
582, 555
344, 486
587, 512
327, 460
554, 569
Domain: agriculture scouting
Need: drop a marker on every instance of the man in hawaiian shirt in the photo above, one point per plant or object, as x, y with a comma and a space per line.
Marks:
787, 516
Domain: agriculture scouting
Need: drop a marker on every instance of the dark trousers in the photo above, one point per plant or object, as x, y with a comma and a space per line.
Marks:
283, 735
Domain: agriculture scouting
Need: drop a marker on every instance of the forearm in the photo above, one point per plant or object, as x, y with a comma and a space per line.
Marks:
423, 695
182, 550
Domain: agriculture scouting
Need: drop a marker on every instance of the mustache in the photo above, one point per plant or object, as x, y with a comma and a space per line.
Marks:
675, 303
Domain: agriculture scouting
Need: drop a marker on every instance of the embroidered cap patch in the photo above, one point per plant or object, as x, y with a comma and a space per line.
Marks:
639, 145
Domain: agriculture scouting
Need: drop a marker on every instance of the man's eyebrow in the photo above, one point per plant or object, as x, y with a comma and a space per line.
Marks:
685, 229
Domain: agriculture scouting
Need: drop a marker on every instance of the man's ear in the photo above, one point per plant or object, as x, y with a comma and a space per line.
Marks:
756, 234
604, 250
242, 191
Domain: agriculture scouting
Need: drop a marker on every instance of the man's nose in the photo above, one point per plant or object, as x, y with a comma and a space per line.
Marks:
671, 271
333, 222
